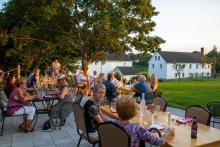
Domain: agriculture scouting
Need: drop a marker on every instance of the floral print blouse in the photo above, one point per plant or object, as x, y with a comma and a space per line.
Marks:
137, 133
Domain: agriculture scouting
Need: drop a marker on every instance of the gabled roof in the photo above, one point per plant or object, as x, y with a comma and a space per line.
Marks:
114, 57
182, 57
127, 70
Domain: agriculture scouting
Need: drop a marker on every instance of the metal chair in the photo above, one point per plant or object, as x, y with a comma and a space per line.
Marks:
3, 113
162, 102
214, 108
113, 135
202, 114
65, 110
78, 98
81, 125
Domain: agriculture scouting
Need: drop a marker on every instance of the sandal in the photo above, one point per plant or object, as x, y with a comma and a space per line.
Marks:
27, 129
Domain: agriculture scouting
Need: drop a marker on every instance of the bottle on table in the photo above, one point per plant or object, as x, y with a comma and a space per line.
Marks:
194, 128
142, 106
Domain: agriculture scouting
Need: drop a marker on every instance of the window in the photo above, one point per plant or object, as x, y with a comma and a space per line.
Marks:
203, 65
197, 74
207, 73
160, 66
152, 65
183, 75
155, 57
175, 75
197, 65
190, 66
158, 58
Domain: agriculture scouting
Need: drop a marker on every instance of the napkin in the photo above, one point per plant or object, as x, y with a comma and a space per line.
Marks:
157, 126
184, 120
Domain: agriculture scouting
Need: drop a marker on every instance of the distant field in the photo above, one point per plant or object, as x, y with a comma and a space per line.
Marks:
182, 94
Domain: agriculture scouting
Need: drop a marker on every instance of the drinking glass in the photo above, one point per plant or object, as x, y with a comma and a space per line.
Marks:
113, 105
154, 117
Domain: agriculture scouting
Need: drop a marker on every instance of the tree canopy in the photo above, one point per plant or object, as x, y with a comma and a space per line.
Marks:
35, 31
214, 56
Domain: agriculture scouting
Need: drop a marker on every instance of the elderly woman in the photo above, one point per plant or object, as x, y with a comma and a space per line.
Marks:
63, 98
127, 109
92, 113
16, 104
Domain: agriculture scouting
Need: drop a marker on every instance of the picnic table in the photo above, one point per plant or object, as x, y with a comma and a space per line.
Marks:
206, 137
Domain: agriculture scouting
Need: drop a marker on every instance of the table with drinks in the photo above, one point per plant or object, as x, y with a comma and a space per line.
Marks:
46, 98
205, 136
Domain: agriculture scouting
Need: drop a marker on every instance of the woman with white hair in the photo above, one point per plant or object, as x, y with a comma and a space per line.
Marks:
92, 113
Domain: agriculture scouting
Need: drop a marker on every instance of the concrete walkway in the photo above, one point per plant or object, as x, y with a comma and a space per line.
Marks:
66, 137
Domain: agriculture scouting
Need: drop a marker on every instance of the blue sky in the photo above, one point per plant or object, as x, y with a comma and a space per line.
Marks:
186, 25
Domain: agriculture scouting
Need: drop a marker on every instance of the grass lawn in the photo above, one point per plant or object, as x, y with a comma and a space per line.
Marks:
182, 94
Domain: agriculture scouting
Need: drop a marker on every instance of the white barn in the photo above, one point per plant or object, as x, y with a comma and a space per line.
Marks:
110, 64
162, 64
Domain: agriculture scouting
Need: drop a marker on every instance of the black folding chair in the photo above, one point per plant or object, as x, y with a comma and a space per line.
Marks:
3, 112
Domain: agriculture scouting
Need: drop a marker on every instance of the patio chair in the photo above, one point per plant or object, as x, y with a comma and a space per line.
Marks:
202, 114
214, 108
65, 110
113, 135
78, 98
81, 125
162, 102
3, 113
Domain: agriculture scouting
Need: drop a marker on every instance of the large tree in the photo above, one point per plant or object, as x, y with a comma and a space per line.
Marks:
106, 26
37, 30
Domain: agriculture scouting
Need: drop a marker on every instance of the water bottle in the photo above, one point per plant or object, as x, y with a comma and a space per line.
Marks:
142, 106
194, 128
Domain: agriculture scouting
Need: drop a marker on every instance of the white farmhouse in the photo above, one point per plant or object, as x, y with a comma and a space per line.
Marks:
111, 62
162, 64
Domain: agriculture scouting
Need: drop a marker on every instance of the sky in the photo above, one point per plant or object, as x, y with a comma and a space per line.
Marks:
186, 25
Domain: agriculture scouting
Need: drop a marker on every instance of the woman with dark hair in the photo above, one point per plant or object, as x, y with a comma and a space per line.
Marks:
10, 85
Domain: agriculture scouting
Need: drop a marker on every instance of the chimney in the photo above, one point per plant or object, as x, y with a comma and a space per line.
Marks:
202, 50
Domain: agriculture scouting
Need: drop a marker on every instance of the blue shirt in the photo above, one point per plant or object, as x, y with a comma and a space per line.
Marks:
142, 88
110, 90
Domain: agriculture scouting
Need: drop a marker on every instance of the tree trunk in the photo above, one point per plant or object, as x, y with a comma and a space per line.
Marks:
85, 67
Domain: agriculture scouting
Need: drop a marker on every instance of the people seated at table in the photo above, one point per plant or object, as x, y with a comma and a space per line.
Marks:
154, 83
64, 97
92, 82
10, 85
81, 80
92, 113
127, 109
33, 78
111, 90
142, 87
16, 104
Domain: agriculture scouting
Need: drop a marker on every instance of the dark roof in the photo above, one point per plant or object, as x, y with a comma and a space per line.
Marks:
127, 70
117, 57
182, 57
